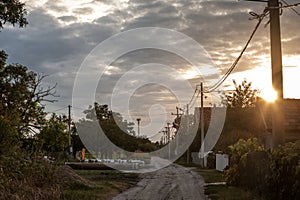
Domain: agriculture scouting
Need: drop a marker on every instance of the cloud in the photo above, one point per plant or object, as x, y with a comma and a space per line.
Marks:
82, 11
68, 18
61, 34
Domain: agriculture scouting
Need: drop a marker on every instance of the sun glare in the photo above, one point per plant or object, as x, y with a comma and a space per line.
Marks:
269, 95
190, 74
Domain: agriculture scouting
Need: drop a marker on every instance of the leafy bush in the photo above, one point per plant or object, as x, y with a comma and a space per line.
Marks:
238, 174
283, 180
275, 175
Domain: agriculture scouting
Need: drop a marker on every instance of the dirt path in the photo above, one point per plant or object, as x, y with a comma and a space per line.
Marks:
172, 182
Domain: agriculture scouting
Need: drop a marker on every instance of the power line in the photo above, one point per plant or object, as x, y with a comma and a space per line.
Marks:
58, 109
195, 99
286, 6
79, 108
292, 8
254, 16
193, 95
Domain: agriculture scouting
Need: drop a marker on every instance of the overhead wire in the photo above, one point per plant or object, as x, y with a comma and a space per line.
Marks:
190, 106
58, 109
193, 95
292, 8
232, 67
286, 6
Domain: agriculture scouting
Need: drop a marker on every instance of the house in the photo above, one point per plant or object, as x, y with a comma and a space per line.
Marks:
257, 119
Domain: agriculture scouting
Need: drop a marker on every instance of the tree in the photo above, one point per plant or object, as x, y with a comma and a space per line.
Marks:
8, 136
243, 96
117, 130
22, 96
12, 11
54, 136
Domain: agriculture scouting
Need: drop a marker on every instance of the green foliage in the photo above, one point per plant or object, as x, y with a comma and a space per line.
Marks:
283, 180
21, 96
8, 136
274, 175
118, 130
242, 97
13, 12
54, 136
21, 112
229, 138
239, 152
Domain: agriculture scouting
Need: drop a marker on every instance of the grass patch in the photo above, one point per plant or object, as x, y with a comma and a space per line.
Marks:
211, 175
108, 183
217, 192
223, 192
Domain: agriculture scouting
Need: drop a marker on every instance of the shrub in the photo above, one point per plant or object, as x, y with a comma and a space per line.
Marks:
238, 174
276, 174
24, 178
283, 180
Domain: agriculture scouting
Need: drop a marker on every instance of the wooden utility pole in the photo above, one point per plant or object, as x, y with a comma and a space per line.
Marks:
177, 126
202, 124
69, 130
177, 112
169, 139
138, 121
187, 130
277, 79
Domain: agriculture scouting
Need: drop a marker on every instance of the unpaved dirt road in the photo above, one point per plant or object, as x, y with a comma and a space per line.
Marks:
173, 182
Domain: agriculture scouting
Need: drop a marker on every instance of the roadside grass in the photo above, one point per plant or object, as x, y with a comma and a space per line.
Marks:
107, 184
223, 192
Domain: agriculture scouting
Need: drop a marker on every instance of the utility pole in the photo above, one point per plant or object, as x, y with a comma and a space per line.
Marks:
177, 126
169, 139
187, 130
177, 112
277, 79
164, 137
69, 130
202, 125
168, 131
138, 121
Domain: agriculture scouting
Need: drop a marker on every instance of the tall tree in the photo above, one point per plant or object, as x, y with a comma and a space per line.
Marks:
243, 96
13, 12
22, 96
118, 130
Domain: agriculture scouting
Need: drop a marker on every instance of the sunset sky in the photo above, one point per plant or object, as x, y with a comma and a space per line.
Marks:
60, 35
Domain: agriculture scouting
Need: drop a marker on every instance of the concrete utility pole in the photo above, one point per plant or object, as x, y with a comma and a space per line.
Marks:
69, 130
138, 121
277, 79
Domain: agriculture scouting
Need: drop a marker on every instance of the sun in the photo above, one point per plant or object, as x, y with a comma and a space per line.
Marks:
269, 95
